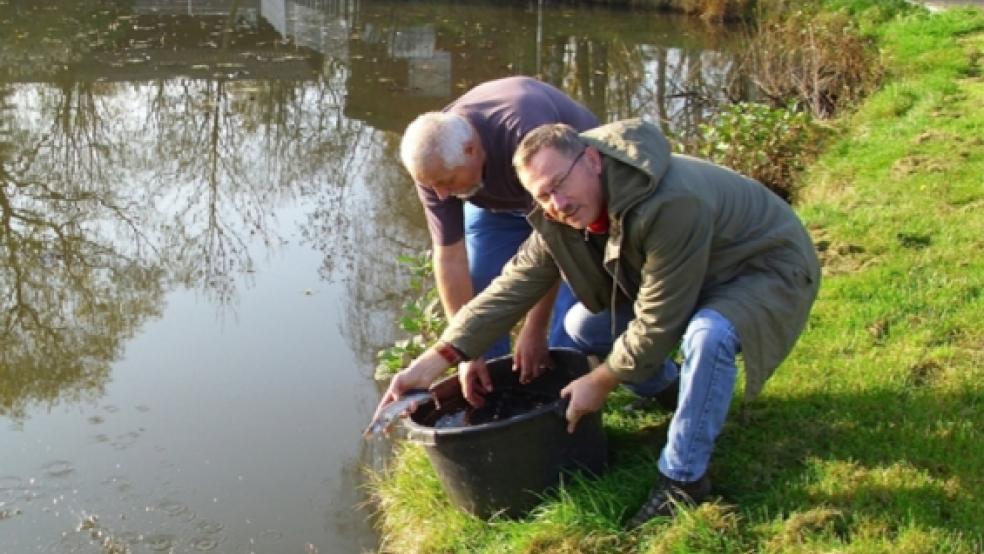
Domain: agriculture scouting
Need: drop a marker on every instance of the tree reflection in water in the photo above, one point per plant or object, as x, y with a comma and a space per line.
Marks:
113, 193
142, 151
70, 294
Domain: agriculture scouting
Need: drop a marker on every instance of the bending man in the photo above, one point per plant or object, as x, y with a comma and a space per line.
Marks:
658, 248
461, 160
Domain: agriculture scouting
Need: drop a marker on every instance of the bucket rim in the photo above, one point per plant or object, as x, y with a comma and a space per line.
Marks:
417, 429
425, 433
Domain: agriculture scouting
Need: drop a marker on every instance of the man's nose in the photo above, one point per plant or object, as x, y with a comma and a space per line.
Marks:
560, 202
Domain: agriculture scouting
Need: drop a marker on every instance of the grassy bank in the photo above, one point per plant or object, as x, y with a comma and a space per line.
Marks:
869, 437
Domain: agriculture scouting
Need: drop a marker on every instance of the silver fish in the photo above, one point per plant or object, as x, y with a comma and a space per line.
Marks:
393, 410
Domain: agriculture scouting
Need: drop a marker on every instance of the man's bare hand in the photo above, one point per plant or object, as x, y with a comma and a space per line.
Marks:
475, 381
418, 375
587, 394
402, 382
532, 356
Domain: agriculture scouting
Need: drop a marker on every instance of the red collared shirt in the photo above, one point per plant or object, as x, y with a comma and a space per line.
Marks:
600, 225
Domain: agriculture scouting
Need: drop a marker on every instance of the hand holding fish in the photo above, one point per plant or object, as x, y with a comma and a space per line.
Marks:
418, 375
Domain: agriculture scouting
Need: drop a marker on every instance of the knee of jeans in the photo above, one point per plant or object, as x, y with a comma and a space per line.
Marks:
709, 330
589, 331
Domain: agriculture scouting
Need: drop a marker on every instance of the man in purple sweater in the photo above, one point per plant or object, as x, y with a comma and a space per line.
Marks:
461, 161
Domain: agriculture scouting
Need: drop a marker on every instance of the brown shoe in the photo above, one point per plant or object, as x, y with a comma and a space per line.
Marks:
666, 494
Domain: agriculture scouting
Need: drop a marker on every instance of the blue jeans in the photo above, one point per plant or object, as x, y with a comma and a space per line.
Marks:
707, 381
492, 238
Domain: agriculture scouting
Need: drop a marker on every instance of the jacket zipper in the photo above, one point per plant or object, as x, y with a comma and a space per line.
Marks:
614, 316
615, 286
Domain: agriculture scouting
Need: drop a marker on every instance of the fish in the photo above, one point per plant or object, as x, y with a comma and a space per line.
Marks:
404, 405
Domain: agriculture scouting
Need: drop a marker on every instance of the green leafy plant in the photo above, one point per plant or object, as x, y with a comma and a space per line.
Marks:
771, 145
423, 317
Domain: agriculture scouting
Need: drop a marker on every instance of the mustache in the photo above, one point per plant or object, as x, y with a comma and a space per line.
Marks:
470, 192
558, 215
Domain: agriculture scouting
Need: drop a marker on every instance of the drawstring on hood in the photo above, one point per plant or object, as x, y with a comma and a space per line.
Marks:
643, 147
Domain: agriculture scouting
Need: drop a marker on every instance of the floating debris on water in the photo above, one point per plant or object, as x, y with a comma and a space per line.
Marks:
58, 468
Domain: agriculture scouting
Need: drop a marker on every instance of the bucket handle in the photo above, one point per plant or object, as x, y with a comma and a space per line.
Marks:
560, 408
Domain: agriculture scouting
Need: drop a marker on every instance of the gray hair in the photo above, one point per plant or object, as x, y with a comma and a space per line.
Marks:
560, 136
435, 134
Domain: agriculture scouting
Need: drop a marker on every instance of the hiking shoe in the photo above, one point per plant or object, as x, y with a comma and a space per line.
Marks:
666, 494
665, 399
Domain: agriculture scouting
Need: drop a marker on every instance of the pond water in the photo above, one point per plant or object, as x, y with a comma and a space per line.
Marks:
201, 211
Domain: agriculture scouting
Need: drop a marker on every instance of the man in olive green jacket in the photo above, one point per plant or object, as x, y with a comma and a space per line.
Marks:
660, 247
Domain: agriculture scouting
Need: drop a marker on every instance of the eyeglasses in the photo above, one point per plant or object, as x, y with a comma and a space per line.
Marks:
559, 182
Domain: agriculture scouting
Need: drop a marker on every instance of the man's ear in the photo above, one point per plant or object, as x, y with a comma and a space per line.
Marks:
523, 174
594, 159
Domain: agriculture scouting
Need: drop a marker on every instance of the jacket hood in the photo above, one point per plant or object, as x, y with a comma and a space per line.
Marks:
638, 144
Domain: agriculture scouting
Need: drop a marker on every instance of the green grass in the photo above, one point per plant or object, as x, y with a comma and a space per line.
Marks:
869, 437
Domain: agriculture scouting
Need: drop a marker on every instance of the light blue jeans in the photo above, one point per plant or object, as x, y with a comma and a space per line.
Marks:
492, 238
707, 381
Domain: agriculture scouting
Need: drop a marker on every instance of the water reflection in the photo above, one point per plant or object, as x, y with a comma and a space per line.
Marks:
620, 64
72, 290
88, 255
155, 154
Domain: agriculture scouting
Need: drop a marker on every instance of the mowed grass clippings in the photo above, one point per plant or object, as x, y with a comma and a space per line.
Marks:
868, 438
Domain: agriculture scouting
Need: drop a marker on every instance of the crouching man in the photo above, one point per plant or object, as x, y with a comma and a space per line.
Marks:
658, 248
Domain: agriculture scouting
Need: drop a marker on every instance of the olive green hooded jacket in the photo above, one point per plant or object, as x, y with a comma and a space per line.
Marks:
684, 234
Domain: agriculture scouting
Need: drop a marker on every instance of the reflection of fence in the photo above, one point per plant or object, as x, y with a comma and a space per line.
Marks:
244, 9
431, 76
162, 45
410, 66
428, 69
413, 42
310, 24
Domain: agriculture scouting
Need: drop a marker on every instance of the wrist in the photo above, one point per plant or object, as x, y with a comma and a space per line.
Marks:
427, 367
538, 319
449, 353
605, 378
534, 330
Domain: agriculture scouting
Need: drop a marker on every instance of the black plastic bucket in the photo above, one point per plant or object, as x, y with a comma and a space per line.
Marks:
504, 467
